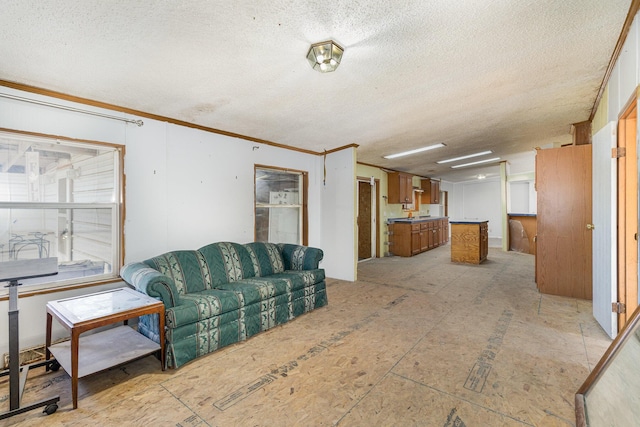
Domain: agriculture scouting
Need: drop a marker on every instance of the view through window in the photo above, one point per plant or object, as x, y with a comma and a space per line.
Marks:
60, 198
280, 206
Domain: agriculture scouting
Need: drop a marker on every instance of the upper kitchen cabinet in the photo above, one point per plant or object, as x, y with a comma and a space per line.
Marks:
431, 191
400, 187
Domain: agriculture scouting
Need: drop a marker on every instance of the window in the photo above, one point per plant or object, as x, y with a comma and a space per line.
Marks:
280, 205
61, 198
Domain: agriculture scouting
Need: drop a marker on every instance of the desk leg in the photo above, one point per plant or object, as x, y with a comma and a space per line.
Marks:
75, 340
48, 339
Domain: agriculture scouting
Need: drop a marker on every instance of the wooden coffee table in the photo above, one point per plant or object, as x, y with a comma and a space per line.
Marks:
102, 350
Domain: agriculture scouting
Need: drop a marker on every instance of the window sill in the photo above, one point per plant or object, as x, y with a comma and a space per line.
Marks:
34, 290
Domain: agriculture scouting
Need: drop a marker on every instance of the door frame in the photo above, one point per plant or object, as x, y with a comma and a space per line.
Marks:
628, 211
375, 213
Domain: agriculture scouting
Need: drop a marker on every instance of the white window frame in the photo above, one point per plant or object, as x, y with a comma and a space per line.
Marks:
301, 204
115, 206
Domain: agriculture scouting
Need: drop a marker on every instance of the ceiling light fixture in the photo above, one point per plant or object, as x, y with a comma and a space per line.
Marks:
468, 156
417, 150
325, 56
475, 163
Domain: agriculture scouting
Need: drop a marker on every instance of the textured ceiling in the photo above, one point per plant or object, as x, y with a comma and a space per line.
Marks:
501, 75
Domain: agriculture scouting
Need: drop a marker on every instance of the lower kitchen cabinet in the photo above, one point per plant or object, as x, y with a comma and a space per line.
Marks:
411, 237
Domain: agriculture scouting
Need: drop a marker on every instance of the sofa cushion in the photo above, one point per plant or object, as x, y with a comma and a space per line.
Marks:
302, 278
227, 262
202, 305
258, 289
266, 258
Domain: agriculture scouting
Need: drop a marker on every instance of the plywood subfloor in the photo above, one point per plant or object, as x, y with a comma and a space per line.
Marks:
414, 342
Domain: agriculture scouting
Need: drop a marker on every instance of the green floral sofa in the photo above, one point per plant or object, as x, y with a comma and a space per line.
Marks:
226, 292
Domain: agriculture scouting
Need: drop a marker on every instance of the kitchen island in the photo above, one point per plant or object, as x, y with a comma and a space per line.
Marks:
469, 241
411, 236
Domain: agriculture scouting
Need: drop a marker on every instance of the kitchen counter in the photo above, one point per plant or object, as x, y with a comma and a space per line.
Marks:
467, 221
416, 219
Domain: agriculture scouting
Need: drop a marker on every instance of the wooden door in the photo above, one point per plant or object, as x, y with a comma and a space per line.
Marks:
627, 214
364, 220
563, 253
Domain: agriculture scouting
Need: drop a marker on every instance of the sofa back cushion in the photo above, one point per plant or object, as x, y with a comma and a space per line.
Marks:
266, 258
227, 262
188, 269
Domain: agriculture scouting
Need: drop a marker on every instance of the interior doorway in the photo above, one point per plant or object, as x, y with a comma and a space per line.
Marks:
627, 213
368, 215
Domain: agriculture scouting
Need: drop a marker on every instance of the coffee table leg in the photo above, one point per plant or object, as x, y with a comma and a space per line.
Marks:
75, 339
162, 343
48, 339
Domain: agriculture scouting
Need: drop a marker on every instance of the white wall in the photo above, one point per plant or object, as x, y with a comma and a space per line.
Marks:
624, 80
477, 200
339, 215
522, 197
186, 188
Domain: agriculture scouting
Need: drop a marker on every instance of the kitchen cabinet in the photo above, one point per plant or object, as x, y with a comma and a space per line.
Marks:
416, 239
411, 237
445, 231
399, 187
425, 236
430, 191
469, 241
435, 192
433, 230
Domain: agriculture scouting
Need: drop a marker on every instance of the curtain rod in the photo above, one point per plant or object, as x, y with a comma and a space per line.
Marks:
76, 110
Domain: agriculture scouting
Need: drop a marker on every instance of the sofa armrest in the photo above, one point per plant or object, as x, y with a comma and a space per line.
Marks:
151, 282
298, 257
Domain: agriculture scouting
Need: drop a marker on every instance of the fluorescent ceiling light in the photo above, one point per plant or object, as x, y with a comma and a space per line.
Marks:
475, 163
417, 150
455, 159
